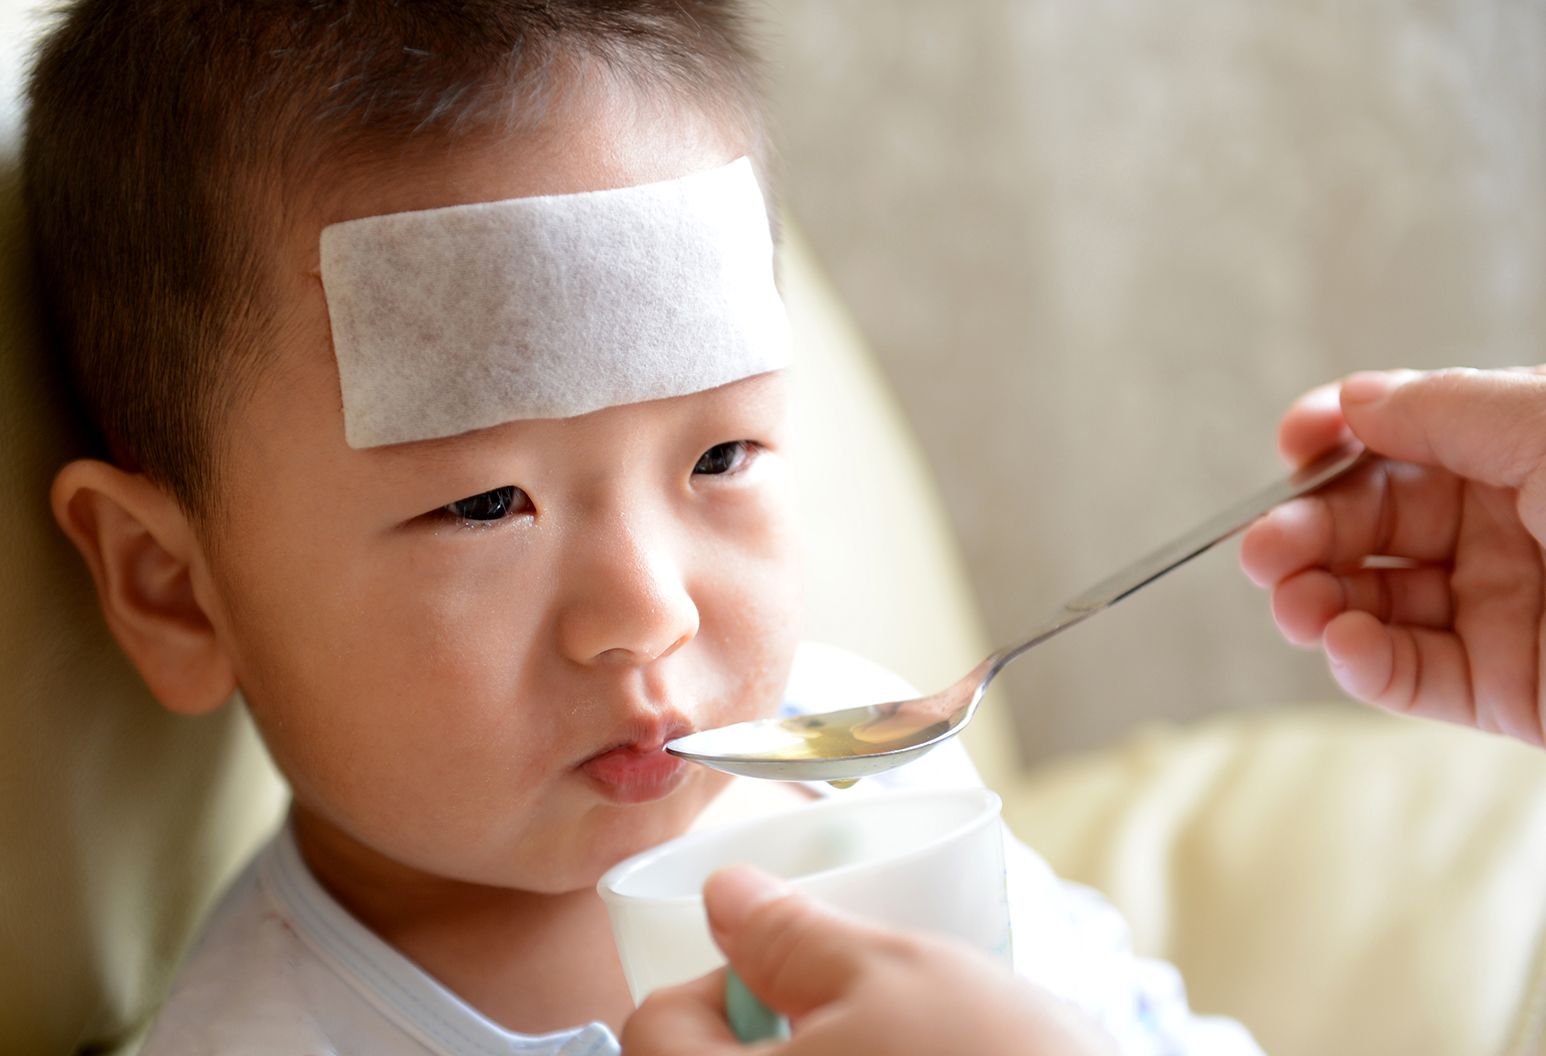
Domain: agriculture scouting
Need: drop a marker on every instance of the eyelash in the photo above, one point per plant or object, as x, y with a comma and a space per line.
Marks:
502, 502
505, 501
747, 449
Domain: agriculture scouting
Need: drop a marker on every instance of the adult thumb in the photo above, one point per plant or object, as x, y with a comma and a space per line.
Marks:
1486, 425
791, 951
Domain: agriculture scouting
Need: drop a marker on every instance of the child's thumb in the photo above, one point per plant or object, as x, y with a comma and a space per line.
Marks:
1486, 425
792, 952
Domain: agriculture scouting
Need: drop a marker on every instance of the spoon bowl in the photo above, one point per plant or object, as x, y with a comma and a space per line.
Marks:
844, 746
838, 745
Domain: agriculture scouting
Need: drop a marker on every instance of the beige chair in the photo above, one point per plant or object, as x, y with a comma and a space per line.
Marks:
1342, 882
116, 820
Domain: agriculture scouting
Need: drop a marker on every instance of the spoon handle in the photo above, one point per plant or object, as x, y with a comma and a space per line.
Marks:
1172, 555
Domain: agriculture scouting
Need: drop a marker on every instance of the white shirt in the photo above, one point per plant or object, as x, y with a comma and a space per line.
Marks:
282, 968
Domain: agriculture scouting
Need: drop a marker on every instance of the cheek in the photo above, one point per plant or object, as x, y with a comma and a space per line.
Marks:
375, 683
751, 619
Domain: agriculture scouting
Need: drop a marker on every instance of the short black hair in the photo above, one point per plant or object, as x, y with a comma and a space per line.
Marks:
161, 133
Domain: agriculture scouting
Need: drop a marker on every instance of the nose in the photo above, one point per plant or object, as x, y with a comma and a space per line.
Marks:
628, 601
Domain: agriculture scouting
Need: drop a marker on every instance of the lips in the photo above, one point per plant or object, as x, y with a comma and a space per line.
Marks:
639, 770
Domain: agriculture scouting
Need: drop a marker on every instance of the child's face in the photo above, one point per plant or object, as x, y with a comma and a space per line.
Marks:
449, 692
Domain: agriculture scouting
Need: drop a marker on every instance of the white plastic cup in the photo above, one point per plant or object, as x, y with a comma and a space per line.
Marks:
928, 860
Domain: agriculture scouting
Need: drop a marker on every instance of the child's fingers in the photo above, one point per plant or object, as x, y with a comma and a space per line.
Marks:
1313, 424
1387, 510
1304, 604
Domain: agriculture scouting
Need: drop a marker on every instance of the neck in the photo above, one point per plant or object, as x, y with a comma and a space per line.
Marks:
530, 962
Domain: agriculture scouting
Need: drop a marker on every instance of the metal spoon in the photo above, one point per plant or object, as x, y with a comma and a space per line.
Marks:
843, 746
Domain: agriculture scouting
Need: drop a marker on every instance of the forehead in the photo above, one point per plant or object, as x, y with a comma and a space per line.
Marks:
613, 433
598, 136
292, 466
551, 306
601, 137
597, 140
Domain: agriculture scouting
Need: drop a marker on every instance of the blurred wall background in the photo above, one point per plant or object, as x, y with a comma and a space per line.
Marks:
1099, 245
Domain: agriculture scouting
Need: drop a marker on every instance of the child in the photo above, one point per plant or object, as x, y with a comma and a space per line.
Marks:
435, 358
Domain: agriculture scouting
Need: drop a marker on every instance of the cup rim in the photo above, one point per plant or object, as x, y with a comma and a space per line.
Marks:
990, 808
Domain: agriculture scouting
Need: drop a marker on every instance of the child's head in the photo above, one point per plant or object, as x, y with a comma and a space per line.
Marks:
463, 652
172, 146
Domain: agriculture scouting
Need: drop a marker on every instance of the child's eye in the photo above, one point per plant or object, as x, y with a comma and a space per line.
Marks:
493, 505
724, 458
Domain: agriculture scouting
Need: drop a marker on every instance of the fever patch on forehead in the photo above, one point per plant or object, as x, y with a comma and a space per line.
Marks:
449, 320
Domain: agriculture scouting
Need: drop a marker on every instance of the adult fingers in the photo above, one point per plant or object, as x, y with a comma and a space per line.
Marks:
793, 953
1488, 425
1411, 670
685, 1020
1425, 673
1312, 425
1500, 618
1384, 510
1303, 604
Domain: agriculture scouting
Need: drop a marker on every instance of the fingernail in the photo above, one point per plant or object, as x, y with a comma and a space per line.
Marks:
1345, 673
1344, 676
1371, 386
732, 894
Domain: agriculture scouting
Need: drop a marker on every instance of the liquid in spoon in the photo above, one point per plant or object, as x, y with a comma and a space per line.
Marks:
901, 728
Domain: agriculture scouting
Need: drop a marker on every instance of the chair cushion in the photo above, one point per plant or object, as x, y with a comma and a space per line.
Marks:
1341, 881
117, 820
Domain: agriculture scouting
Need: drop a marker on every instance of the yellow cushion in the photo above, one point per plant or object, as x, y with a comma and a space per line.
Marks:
1341, 881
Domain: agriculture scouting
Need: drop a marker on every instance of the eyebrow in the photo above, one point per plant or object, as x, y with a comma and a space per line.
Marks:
445, 450
430, 453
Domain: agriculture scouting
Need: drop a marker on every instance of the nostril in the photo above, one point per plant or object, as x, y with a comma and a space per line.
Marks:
674, 646
625, 607
642, 653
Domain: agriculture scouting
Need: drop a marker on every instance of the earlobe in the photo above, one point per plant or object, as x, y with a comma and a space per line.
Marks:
143, 555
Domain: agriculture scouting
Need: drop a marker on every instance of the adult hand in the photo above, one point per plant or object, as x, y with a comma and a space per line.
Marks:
849, 987
1421, 579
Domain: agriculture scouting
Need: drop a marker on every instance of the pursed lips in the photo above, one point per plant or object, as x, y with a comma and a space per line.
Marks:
634, 767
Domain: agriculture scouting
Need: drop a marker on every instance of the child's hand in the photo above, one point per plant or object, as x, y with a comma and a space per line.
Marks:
1460, 634
850, 987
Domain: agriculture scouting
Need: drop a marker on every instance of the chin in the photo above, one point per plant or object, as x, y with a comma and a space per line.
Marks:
628, 830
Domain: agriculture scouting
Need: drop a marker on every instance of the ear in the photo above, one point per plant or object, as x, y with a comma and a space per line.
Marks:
151, 581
